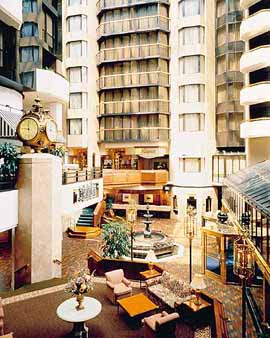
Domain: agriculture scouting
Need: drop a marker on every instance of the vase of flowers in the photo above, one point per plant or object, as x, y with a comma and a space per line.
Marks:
80, 284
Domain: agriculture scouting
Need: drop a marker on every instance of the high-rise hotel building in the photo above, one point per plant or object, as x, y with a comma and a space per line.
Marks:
133, 84
192, 103
255, 64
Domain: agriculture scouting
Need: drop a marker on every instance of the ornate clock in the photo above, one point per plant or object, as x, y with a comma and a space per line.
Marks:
37, 128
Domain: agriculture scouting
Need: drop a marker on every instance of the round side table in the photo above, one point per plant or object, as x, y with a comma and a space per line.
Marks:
67, 312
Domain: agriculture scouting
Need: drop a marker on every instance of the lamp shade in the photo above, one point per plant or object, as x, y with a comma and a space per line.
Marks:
151, 257
198, 282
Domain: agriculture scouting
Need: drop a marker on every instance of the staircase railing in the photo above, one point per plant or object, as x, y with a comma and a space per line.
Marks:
99, 212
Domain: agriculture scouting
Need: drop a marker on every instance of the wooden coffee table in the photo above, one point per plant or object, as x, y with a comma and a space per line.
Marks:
148, 274
136, 305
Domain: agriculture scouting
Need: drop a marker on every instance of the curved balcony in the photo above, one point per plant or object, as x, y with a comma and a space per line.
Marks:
255, 25
133, 107
133, 53
230, 18
133, 80
11, 13
146, 134
103, 5
146, 23
245, 4
255, 128
76, 10
230, 47
255, 59
256, 93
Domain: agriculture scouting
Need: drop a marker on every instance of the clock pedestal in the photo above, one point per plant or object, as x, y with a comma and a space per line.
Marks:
39, 233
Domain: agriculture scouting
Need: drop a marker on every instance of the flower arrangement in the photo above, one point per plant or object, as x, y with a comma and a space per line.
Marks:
80, 283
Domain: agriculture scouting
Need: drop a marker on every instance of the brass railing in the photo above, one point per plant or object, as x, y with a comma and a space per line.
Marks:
133, 80
148, 134
73, 176
133, 52
109, 4
134, 106
133, 24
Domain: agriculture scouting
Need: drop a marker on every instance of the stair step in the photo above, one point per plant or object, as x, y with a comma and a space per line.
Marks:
84, 224
86, 217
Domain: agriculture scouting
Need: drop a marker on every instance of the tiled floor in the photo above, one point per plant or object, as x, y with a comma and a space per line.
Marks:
75, 253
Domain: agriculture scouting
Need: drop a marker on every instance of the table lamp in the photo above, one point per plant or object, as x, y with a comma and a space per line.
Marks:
198, 284
151, 258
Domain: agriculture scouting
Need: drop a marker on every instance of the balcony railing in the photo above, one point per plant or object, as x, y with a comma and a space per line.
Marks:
74, 176
133, 52
50, 40
229, 76
138, 106
110, 4
231, 47
147, 134
156, 78
134, 24
224, 165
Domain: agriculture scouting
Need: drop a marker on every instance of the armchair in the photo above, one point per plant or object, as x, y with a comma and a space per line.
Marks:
160, 325
1, 318
117, 285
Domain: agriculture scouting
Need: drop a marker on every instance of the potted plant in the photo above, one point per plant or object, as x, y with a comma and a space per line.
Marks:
9, 161
116, 239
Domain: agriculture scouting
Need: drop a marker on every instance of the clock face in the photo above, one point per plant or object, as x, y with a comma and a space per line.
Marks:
28, 129
51, 130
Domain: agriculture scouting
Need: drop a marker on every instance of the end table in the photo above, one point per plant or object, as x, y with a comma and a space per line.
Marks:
148, 274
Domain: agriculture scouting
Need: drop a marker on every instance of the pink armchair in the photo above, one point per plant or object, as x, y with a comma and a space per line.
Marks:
117, 285
160, 325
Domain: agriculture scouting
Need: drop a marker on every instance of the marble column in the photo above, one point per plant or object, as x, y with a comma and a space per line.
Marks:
39, 231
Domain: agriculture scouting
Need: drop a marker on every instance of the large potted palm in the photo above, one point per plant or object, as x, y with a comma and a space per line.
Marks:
9, 160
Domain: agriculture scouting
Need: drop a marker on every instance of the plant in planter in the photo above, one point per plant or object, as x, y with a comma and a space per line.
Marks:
56, 151
9, 160
116, 239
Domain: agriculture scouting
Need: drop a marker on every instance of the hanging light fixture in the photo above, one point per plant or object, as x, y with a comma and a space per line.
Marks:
244, 267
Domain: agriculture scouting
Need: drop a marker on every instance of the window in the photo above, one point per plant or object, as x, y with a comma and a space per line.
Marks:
29, 54
1, 49
77, 49
191, 7
77, 74
77, 2
191, 35
27, 79
29, 6
77, 23
191, 64
78, 101
49, 30
75, 126
191, 93
191, 164
191, 122
29, 29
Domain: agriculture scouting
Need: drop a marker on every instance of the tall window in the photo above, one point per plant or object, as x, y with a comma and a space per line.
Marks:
77, 49
29, 29
27, 79
191, 36
29, 6
77, 23
49, 30
78, 101
191, 64
191, 7
191, 93
77, 74
191, 164
29, 54
191, 122
1, 49
75, 126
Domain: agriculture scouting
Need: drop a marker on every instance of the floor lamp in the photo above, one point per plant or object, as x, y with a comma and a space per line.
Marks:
243, 267
131, 217
190, 232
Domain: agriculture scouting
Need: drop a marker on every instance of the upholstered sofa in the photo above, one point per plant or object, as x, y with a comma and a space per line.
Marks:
168, 291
